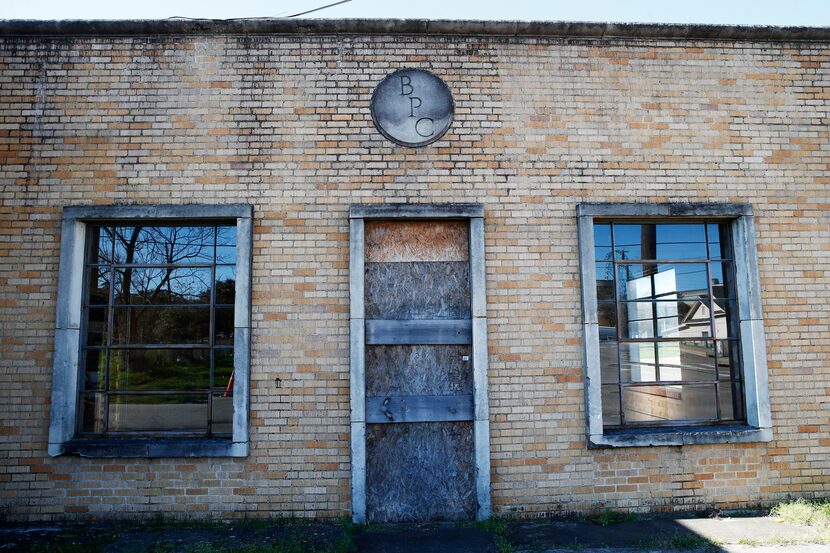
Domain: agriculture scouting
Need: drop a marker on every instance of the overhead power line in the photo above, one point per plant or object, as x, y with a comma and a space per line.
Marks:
318, 9
277, 17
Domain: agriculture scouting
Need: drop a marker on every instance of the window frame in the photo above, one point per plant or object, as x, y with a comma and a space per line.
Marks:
740, 217
66, 371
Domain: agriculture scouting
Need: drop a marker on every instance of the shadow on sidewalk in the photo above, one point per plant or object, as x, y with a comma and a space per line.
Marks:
661, 534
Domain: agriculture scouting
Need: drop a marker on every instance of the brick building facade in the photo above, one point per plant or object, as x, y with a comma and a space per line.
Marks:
549, 119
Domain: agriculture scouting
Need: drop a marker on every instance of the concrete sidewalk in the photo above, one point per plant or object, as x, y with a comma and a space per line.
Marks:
646, 534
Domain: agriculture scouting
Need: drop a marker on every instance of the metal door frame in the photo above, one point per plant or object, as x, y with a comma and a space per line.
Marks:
358, 214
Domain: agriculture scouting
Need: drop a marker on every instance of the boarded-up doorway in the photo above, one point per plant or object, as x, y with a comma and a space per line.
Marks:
423, 445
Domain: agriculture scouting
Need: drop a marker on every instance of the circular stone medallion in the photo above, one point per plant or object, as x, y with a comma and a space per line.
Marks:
412, 107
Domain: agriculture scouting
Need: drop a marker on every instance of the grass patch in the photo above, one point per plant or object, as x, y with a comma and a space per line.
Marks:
608, 517
804, 512
498, 527
494, 525
781, 540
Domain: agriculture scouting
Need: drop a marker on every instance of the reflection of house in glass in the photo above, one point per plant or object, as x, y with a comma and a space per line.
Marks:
696, 320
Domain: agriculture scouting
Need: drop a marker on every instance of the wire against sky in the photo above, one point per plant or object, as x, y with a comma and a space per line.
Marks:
320, 8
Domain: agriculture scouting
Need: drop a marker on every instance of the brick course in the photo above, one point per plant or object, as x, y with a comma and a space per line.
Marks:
282, 122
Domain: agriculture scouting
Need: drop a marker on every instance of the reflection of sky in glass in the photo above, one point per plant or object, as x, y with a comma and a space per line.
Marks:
167, 245
660, 241
148, 245
226, 236
664, 241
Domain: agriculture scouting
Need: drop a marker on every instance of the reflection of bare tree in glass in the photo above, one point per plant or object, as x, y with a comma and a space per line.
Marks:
171, 281
623, 271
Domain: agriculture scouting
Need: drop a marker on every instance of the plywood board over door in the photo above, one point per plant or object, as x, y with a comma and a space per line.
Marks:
420, 443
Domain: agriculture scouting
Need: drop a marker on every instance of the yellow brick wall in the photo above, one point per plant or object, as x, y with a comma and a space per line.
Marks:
282, 123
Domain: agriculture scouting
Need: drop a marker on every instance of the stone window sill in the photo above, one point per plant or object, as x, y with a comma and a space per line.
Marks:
155, 447
680, 435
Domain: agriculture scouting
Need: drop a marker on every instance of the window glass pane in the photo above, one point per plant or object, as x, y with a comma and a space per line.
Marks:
719, 241
99, 286
160, 369
660, 241
630, 242
159, 413
161, 325
225, 284
603, 254
607, 317
162, 286
224, 325
223, 370
95, 369
638, 362
681, 241
669, 403
222, 414
722, 284
609, 365
100, 245
153, 245
602, 235
684, 319
691, 360
726, 318
226, 254
93, 413
662, 281
605, 281
611, 405
602, 242
729, 359
96, 326
636, 320
730, 397
226, 236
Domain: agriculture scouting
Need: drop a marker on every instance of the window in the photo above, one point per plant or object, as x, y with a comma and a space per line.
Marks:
667, 324
153, 332
673, 334
157, 349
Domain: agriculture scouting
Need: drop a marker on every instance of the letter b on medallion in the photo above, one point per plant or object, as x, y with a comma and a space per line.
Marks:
412, 107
